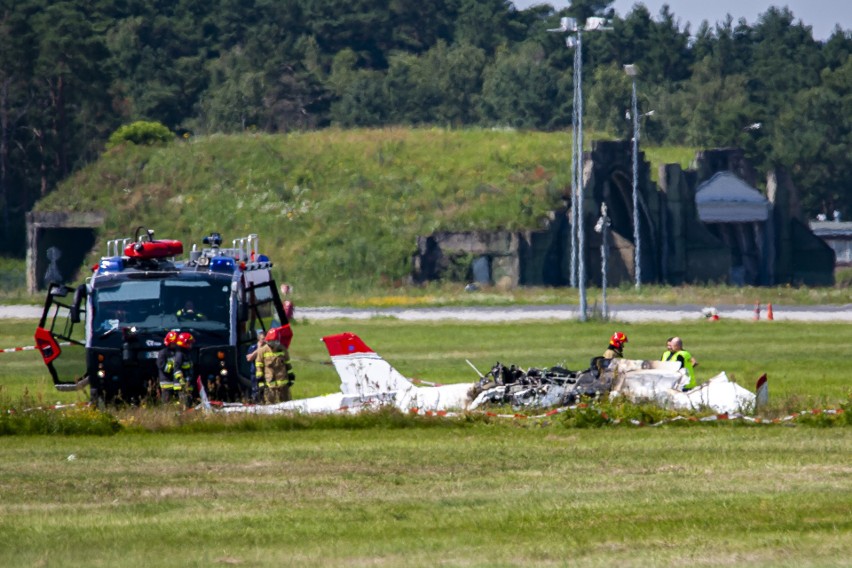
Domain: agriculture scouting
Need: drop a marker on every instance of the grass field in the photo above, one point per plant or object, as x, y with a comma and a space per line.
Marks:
407, 491
458, 496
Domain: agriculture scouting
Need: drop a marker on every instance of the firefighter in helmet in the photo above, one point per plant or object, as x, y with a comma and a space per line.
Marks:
183, 367
174, 363
165, 365
188, 313
251, 356
272, 365
616, 346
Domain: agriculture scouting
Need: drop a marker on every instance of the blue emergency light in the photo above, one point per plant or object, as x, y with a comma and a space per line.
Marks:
222, 264
112, 264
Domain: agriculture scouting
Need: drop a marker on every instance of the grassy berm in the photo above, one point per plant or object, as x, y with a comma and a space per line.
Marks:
337, 211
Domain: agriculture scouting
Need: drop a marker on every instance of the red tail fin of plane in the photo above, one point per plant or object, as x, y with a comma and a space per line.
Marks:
345, 344
362, 371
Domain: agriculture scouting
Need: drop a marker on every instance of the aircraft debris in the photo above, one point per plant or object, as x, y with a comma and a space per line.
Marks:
369, 382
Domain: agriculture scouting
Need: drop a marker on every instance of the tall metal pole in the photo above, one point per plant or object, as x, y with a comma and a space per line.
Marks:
570, 25
602, 227
637, 256
574, 169
581, 233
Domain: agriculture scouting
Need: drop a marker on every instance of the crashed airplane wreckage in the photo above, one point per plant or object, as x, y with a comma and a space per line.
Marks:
369, 382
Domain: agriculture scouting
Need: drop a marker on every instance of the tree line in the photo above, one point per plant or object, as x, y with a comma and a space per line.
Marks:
73, 71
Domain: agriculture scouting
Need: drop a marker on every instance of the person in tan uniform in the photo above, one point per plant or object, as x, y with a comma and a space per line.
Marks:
273, 370
615, 350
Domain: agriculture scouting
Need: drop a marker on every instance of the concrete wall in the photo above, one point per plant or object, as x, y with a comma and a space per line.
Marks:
57, 245
448, 255
676, 246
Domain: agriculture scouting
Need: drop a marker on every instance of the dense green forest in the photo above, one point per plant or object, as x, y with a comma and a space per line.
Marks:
73, 71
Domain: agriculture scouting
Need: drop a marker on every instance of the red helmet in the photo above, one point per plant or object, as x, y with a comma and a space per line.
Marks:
170, 338
185, 340
618, 339
283, 335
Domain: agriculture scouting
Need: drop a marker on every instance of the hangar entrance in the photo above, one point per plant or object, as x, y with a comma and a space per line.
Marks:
57, 246
737, 214
618, 196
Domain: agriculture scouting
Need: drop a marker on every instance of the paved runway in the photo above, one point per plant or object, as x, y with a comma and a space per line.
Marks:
624, 313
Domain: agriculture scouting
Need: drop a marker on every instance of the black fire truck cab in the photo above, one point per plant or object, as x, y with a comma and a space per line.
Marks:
106, 333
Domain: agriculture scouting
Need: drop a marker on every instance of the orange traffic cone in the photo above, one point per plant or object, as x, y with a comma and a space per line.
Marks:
769, 315
756, 311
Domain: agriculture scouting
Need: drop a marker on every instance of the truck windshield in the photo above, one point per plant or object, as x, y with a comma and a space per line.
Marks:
198, 303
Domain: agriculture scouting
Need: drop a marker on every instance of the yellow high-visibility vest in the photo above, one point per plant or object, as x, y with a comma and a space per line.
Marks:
687, 364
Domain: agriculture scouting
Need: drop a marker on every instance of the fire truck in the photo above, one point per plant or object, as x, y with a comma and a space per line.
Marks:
107, 332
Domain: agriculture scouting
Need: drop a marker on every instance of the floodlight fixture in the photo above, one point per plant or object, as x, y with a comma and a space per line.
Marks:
566, 25
595, 23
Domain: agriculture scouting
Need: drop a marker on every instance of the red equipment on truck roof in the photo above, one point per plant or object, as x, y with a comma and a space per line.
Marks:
153, 249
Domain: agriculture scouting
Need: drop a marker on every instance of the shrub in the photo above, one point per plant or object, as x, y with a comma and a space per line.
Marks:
141, 133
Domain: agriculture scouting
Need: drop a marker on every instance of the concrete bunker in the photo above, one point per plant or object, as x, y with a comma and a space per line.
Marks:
706, 224
57, 246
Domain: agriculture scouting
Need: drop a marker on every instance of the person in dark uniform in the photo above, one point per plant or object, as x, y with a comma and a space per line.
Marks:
174, 364
165, 366
188, 313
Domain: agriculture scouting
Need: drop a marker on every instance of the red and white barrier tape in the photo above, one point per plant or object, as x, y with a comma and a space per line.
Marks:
29, 348
56, 406
427, 383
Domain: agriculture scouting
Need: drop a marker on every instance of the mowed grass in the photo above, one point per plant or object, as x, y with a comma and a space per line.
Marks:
472, 492
481, 495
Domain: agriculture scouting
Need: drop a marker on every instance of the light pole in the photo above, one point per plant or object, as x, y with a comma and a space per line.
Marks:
581, 229
632, 71
578, 233
602, 227
574, 166
569, 26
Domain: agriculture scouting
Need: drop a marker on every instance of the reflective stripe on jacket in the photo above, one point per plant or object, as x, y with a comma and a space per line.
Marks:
272, 363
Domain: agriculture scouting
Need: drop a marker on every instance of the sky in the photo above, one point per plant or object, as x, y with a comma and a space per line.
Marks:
821, 15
